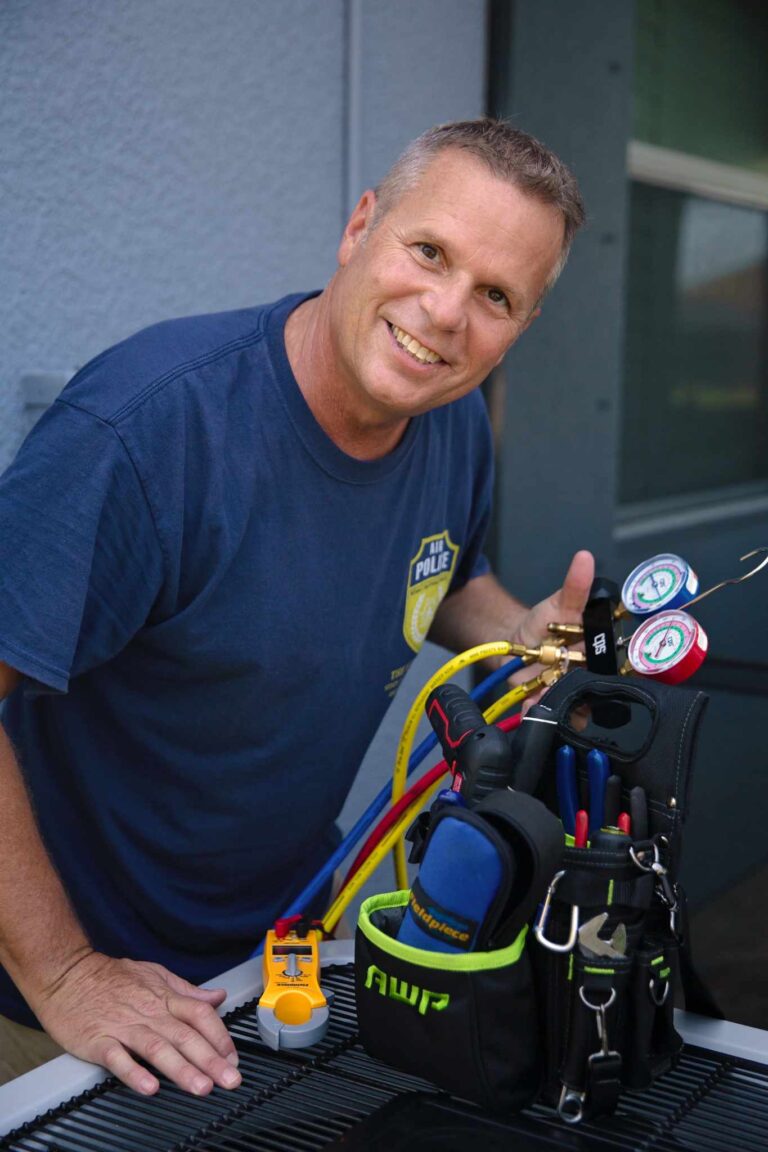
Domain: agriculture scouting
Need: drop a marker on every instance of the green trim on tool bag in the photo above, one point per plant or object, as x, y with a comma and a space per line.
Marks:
448, 962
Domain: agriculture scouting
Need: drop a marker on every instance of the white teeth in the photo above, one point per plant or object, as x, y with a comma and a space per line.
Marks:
412, 345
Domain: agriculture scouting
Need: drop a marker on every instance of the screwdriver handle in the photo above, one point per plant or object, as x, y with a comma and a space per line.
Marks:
454, 716
484, 763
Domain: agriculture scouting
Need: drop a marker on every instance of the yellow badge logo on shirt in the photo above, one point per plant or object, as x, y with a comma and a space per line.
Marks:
429, 578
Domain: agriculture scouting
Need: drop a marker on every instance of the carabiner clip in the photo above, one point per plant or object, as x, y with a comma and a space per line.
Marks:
666, 890
540, 923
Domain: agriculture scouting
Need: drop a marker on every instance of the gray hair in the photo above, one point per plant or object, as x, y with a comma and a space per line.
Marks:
509, 153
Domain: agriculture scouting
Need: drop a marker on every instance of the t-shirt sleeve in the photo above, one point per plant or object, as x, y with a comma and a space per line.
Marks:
80, 560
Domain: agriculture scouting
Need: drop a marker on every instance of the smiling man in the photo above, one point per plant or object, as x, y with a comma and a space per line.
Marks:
227, 530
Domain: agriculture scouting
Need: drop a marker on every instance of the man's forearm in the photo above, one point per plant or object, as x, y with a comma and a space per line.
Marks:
479, 612
40, 937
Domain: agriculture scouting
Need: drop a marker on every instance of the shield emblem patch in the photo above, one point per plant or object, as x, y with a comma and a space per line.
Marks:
429, 578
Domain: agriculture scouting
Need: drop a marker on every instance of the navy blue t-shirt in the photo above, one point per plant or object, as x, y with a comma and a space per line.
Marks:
212, 606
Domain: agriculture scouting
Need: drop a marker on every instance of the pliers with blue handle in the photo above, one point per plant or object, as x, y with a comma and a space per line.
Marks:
598, 771
565, 780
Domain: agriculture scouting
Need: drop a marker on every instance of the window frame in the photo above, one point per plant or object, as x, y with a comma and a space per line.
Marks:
662, 167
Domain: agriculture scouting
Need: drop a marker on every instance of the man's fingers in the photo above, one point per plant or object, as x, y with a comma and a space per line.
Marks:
214, 996
184, 1045
197, 1007
116, 1059
209, 1028
162, 1053
181, 1053
574, 593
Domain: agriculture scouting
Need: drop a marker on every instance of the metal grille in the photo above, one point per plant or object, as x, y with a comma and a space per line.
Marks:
308, 1098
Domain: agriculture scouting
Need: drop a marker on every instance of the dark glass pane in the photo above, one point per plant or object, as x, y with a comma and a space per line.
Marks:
696, 354
701, 81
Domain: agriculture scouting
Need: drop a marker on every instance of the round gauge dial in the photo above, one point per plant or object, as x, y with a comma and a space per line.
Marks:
664, 581
670, 647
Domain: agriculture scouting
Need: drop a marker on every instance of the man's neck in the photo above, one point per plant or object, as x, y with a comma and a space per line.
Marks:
310, 354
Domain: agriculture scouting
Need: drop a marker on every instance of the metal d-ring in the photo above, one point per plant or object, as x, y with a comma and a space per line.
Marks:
659, 1000
541, 920
570, 1107
600, 1008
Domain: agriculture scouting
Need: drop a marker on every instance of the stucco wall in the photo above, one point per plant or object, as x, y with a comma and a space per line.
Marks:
159, 158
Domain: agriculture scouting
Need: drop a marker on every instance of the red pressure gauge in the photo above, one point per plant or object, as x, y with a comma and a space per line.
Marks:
669, 647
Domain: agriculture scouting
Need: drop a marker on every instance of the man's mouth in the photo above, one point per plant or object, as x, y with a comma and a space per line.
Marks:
413, 347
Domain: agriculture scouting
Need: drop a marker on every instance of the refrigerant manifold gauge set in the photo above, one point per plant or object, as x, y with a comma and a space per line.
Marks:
668, 644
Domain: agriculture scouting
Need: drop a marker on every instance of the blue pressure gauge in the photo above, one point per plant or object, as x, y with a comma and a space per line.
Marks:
664, 581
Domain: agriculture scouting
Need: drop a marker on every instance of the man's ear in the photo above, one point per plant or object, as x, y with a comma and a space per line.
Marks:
357, 225
536, 312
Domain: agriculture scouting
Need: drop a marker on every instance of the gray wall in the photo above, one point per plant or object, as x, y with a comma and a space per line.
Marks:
159, 159
557, 465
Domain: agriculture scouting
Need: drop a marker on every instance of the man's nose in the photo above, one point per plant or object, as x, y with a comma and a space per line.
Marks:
446, 303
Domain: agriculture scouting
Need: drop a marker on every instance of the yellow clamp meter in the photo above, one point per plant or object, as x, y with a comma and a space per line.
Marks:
293, 1008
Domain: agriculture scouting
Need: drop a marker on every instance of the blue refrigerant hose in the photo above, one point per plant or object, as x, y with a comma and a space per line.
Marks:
316, 885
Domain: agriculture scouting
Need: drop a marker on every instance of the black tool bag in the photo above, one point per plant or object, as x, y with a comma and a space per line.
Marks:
546, 1015
606, 1010
467, 1019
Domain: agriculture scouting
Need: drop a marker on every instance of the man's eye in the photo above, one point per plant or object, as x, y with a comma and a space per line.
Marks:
496, 296
428, 251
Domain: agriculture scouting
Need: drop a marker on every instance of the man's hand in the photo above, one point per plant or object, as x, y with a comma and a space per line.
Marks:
482, 610
104, 1009
565, 606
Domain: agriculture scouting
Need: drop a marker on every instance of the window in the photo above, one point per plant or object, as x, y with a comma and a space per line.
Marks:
696, 349
696, 359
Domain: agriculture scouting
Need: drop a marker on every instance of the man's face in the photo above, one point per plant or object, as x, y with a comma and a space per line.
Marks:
456, 265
